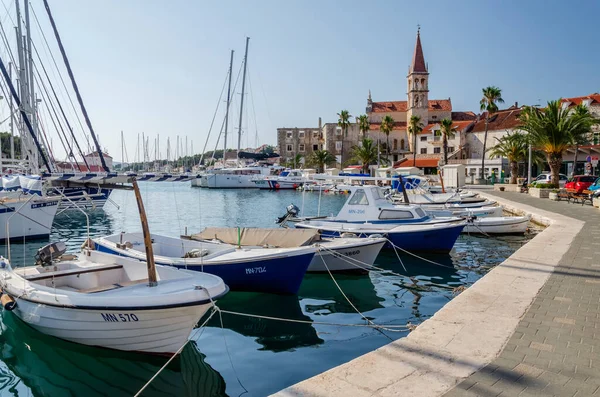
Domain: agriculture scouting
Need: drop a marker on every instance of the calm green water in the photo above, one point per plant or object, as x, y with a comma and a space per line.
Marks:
260, 356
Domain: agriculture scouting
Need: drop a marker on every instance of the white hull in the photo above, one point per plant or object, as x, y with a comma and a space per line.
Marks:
229, 181
106, 328
498, 225
197, 182
346, 254
466, 212
31, 219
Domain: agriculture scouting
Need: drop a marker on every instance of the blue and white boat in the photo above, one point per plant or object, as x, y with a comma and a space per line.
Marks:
368, 212
276, 270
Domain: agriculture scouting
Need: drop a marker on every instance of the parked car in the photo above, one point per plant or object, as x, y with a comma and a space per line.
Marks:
595, 186
580, 182
546, 178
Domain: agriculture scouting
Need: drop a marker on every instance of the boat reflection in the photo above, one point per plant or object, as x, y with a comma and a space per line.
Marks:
271, 334
53, 367
358, 288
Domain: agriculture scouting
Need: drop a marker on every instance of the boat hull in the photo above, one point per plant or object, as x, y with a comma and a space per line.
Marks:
31, 220
498, 225
160, 331
437, 238
349, 258
230, 181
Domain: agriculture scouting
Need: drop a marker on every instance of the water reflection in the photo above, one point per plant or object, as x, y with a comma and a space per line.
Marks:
52, 367
270, 334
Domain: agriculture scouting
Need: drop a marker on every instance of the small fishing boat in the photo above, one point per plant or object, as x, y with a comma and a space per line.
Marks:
258, 269
466, 212
343, 254
288, 179
108, 301
498, 225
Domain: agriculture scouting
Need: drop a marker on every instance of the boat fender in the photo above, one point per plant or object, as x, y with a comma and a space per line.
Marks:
8, 303
348, 235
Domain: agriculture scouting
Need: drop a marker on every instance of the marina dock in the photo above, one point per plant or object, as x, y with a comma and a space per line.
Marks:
529, 327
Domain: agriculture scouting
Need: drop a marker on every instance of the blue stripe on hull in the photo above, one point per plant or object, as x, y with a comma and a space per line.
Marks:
437, 240
278, 275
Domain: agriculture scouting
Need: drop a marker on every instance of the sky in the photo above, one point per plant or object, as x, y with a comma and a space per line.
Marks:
158, 67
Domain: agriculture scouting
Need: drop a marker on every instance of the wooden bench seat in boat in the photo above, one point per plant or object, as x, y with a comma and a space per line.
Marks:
71, 272
112, 286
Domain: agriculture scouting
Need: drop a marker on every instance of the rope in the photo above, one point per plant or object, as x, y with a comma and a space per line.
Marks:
419, 257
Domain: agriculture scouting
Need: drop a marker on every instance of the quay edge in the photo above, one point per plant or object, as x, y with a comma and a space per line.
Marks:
462, 337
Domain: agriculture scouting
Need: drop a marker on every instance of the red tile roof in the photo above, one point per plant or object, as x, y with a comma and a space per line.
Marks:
402, 106
419, 163
418, 61
595, 97
459, 116
398, 126
501, 120
456, 125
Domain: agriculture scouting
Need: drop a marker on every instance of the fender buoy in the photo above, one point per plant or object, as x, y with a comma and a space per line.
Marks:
8, 303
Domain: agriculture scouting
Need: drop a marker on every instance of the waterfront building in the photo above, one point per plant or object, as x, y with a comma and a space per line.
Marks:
303, 141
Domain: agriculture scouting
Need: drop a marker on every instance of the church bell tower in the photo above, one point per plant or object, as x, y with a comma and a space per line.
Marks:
418, 85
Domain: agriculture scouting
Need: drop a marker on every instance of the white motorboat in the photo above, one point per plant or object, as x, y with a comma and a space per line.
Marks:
104, 300
243, 268
498, 225
233, 178
466, 212
289, 179
342, 254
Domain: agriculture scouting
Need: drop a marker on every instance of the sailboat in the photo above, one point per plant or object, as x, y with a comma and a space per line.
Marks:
109, 301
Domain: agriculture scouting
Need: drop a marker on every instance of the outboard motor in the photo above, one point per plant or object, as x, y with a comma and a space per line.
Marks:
48, 253
292, 211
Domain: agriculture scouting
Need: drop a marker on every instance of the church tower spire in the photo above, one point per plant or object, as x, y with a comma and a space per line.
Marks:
418, 84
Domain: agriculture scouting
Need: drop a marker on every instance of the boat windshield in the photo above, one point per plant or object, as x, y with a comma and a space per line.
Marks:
359, 198
378, 193
420, 212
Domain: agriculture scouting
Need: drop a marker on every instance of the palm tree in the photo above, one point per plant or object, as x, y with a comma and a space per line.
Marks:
363, 124
415, 127
387, 125
320, 158
554, 129
447, 132
491, 97
365, 153
344, 122
515, 148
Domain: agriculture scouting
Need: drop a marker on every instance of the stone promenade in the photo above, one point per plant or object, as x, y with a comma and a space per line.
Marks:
555, 349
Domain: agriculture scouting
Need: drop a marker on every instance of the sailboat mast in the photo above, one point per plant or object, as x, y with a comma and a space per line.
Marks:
30, 84
122, 151
242, 99
12, 117
227, 109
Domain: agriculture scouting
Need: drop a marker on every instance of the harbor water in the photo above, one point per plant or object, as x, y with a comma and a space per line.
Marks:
235, 354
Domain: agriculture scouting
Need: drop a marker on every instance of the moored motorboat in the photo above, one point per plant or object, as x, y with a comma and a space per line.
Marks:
343, 254
104, 300
498, 225
277, 270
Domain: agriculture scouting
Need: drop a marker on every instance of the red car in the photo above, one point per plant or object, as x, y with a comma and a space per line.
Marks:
580, 182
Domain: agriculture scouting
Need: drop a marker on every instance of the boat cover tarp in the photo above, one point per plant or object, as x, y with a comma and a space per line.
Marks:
257, 156
251, 236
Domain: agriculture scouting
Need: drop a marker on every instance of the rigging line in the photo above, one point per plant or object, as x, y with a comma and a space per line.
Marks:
7, 12
24, 115
5, 39
59, 104
68, 148
45, 137
213, 119
60, 75
253, 110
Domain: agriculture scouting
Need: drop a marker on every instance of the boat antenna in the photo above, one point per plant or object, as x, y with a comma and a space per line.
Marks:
75, 88
242, 99
152, 282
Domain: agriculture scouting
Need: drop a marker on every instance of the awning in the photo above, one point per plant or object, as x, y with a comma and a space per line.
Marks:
421, 163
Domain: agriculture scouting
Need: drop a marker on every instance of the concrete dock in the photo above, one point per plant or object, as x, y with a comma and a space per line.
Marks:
531, 326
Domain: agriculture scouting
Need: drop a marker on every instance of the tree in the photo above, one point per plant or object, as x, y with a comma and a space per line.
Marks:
5, 142
344, 122
489, 103
554, 129
515, 148
447, 133
415, 127
320, 158
365, 153
387, 126
363, 124
295, 161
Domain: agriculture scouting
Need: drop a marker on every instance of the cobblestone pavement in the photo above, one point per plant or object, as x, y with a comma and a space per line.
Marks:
555, 350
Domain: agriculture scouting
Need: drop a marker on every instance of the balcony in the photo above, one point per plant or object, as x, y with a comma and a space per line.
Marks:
435, 141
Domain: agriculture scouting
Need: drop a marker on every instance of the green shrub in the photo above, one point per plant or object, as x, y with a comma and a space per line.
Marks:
546, 185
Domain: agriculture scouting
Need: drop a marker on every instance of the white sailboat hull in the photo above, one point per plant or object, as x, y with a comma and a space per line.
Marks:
498, 225
31, 219
125, 329
230, 181
346, 254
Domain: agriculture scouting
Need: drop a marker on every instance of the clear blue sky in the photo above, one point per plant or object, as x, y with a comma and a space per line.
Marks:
158, 66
